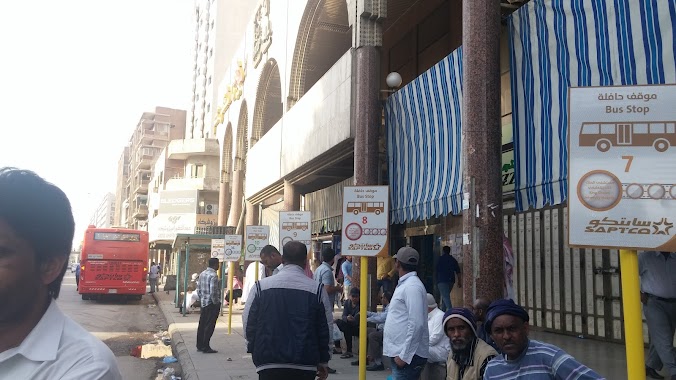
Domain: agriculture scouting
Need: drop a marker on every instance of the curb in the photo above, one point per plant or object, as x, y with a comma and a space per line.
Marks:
178, 344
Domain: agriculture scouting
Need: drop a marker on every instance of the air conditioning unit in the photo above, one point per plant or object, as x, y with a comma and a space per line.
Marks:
211, 209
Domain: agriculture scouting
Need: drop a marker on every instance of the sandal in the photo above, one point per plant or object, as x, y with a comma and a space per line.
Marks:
346, 355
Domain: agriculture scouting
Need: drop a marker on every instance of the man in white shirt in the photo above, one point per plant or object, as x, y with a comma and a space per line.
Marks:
439, 344
153, 273
38, 341
406, 335
272, 259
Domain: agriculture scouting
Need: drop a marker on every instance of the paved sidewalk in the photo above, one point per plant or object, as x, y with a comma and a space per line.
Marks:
232, 361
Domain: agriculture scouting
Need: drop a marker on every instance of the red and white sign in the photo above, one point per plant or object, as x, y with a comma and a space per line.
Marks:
365, 220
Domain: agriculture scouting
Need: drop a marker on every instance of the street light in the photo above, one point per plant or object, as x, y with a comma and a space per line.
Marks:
393, 80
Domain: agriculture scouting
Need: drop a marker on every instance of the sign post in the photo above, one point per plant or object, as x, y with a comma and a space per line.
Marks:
232, 250
622, 184
295, 226
257, 237
365, 232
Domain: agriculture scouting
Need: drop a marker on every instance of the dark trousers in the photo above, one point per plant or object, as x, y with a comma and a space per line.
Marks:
286, 374
205, 329
349, 329
385, 285
77, 282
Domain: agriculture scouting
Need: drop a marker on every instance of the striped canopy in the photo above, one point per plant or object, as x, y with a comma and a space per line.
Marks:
424, 143
556, 44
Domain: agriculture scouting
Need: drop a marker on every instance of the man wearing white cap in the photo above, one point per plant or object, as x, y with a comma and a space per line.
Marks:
406, 335
439, 344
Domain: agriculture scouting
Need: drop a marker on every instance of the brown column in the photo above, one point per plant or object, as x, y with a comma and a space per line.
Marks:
251, 214
367, 122
481, 150
236, 199
291, 197
223, 205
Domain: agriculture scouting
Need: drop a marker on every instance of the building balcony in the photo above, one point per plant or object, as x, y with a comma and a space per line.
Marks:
160, 132
204, 184
182, 149
140, 212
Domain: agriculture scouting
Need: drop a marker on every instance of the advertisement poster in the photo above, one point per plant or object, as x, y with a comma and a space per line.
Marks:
257, 237
295, 226
365, 220
232, 247
622, 181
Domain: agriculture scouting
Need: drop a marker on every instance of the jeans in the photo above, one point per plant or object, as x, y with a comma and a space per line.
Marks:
153, 284
409, 371
661, 319
286, 374
207, 325
445, 291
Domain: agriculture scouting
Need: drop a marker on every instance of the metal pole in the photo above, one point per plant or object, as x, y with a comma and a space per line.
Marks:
230, 276
178, 272
363, 308
223, 284
185, 275
633, 321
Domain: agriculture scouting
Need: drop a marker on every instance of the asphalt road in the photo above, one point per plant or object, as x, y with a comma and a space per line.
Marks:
121, 325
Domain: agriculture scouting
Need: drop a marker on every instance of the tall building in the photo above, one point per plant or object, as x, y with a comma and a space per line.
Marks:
120, 189
104, 216
217, 34
153, 132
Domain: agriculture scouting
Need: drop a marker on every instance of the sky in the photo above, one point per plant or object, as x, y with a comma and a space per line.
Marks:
75, 77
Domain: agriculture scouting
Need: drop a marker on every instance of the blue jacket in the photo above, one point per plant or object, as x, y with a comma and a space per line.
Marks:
287, 321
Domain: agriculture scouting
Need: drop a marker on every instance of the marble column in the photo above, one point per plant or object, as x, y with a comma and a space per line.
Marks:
291, 197
252, 211
223, 203
482, 150
236, 198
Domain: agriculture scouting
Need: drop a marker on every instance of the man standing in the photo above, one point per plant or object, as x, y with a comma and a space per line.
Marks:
523, 358
406, 336
209, 291
470, 354
37, 340
439, 345
250, 279
78, 270
286, 322
324, 275
271, 258
152, 276
658, 294
384, 273
346, 268
447, 268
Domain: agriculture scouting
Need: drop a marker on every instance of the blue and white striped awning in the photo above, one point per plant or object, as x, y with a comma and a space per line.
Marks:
556, 44
424, 143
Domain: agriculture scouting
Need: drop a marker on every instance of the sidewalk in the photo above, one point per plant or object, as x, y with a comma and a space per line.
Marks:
232, 361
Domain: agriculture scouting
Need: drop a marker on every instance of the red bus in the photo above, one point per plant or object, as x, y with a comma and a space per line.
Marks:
113, 262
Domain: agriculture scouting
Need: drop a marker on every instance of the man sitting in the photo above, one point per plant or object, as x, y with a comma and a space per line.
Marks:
349, 323
470, 354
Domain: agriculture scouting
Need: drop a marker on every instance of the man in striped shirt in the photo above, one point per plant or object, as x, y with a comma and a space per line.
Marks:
209, 291
522, 358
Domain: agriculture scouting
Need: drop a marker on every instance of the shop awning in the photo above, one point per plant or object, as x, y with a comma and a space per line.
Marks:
424, 138
558, 44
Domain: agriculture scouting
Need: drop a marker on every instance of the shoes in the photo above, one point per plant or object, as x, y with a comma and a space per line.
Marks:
331, 370
651, 373
209, 350
346, 355
356, 362
375, 367
199, 349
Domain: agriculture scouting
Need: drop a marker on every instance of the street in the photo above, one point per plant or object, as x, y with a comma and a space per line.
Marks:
120, 325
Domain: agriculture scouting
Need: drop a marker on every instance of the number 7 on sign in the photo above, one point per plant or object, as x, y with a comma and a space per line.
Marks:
629, 161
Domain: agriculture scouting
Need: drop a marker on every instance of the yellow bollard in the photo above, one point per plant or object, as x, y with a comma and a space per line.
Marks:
231, 274
363, 308
633, 321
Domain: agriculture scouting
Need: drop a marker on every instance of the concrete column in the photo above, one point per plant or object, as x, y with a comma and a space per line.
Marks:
252, 214
223, 204
236, 199
481, 149
291, 197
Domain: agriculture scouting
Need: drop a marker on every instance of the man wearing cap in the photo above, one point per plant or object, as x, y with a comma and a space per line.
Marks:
523, 358
470, 354
439, 345
406, 335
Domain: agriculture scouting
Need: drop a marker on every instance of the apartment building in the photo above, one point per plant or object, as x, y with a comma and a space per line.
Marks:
104, 216
151, 136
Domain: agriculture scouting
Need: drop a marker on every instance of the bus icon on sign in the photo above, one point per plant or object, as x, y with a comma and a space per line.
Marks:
659, 134
374, 207
294, 226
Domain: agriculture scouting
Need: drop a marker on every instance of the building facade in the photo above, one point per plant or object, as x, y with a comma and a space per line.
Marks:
104, 216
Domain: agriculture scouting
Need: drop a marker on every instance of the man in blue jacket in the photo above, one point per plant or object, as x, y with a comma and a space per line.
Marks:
286, 322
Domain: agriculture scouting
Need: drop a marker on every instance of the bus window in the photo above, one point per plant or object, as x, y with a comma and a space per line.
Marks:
657, 128
607, 129
671, 127
590, 129
641, 128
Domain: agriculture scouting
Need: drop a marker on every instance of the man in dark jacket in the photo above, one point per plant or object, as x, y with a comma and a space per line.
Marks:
286, 322
349, 322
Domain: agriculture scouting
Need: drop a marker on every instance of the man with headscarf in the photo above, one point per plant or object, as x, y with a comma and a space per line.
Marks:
470, 354
522, 358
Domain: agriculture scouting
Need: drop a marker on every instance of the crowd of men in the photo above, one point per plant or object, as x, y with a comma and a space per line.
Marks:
288, 318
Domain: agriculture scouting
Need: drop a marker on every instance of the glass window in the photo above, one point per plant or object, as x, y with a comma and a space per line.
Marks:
590, 129
607, 129
671, 127
640, 128
116, 236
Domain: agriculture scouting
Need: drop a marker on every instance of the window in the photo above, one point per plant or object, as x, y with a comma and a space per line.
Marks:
590, 129
671, 127
197, 171
607, 129
657, 128
116, 236
640, 128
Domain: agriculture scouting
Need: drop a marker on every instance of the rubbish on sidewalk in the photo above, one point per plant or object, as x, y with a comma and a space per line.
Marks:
169, 359
168, 373
155, 351
136, 351
229, 359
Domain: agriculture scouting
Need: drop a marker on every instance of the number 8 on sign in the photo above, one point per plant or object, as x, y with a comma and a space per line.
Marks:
364, 220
